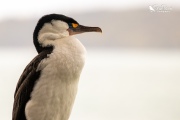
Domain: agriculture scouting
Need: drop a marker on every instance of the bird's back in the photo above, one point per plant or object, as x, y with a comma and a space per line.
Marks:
26, 84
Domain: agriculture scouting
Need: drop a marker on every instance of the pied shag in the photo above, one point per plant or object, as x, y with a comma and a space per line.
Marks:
47, 87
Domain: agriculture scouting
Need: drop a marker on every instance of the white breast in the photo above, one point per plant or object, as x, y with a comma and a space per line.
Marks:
54, 93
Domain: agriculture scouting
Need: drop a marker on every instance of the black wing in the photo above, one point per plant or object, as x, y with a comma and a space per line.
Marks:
25, 86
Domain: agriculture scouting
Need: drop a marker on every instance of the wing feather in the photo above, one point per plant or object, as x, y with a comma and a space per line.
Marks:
25, 86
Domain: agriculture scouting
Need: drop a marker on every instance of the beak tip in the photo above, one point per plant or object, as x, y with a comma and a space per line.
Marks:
99, 30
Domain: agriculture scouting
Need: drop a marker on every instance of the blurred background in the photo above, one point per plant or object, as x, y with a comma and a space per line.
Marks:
132, 70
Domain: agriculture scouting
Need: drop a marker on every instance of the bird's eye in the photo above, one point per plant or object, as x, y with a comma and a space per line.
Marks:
73, 25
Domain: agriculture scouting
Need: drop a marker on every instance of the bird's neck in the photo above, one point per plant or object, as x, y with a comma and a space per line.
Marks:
69, 44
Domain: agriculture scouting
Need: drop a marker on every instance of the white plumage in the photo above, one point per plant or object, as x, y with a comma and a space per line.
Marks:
57, 86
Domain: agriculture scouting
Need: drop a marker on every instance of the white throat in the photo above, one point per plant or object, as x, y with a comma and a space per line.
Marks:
51, 31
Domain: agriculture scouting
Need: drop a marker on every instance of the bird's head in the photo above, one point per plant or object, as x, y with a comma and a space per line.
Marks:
54, 26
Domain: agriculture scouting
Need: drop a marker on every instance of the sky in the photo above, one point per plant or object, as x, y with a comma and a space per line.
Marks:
25, 9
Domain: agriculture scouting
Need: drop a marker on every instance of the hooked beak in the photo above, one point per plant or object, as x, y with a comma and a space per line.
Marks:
81, 29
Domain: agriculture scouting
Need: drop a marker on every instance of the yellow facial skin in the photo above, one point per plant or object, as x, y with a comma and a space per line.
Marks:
74, 25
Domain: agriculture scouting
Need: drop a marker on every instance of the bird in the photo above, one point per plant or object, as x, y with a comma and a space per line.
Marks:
47, 88
151, 9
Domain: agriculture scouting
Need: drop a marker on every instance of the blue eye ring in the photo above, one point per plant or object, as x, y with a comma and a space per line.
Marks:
70, 25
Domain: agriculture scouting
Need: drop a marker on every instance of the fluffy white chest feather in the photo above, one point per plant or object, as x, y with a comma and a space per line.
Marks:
54, 93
